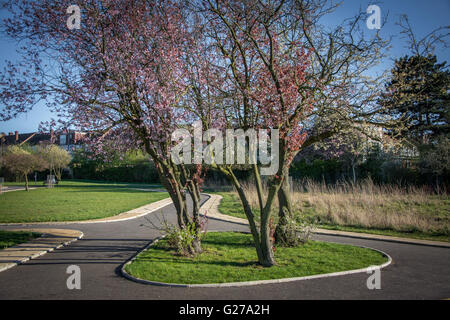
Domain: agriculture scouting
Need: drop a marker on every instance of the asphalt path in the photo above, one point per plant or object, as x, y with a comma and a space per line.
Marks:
417, 272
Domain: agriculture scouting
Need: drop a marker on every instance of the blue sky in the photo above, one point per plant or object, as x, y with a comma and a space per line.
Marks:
424, 16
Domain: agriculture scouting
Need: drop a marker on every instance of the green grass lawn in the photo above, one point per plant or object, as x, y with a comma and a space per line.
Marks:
32, 183
231, 257
231, 205
11, 238
74, 200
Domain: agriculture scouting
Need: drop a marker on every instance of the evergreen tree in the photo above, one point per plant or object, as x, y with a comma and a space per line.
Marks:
419, 93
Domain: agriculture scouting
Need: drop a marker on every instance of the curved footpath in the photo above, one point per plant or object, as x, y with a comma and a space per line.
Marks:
49, 240
417, 272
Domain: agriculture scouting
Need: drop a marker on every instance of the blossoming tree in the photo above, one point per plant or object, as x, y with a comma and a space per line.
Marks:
118, 76
280, 69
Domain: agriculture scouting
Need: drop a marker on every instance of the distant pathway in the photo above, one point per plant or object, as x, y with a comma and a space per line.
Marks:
417, 272
17, 188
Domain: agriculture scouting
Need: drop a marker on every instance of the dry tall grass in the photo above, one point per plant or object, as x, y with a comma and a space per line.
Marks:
368, 205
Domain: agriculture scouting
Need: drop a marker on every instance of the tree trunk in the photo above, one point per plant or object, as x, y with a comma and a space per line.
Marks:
26, 182
168, 180
268, 258
353, 172
249, 214
266, 239
194, 192
170, 176
261, 237
251, 221
58, 174
195, 195
284, 234
179, 200
197, 246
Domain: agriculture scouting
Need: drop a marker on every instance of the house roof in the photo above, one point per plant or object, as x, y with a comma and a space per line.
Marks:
35, 138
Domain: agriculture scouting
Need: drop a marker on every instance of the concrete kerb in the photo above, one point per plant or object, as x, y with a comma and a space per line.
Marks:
210, 209
247, 283
367, 236
50, 240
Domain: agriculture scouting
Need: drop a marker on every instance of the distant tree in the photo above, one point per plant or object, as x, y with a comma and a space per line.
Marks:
23, 161
436, 159
56, 158
419, 95
352, 147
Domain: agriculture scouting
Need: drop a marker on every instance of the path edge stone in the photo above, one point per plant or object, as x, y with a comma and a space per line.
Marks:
47, 234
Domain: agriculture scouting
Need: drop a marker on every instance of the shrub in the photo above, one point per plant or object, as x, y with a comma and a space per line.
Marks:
182, 240
132, 168
186, 241
295, 230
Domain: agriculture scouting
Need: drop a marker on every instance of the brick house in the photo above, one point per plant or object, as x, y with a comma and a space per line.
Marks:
67, 139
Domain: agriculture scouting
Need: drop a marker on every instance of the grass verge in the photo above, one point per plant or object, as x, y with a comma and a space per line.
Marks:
387, 232
231, 205
74, 200
231, 257
320, 207
11, 238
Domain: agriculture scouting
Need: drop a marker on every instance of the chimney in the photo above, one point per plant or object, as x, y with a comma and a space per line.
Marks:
17, 136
